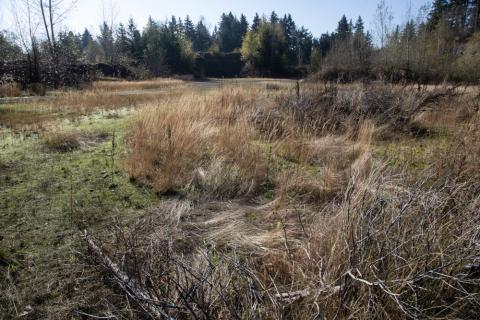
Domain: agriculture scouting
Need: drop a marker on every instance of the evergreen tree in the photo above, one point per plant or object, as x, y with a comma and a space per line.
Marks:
438, 12
290, 29
154, 53
274, 18
362, 43
181, 26
69, 47
173, 25
265, 48
324, 44
458, 16
229, 33
359, 27
243, 25
256, 22
8, 49
344, 29
107, 42
122, 45
189, 29
134, 41
202, 40
304, 44
86, 39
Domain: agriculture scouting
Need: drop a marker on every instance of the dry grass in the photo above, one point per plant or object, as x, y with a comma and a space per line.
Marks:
278, 206
35, 115
136, 85
198, 143
62, 141
10, 90
343, 236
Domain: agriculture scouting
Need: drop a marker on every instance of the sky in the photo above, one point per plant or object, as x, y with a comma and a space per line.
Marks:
318, 16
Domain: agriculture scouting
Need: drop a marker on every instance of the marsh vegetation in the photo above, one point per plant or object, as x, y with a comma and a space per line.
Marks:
257, 199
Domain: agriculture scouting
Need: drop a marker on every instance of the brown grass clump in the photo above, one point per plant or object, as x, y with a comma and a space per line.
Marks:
197, 142
62, 141
460, 159
10, 90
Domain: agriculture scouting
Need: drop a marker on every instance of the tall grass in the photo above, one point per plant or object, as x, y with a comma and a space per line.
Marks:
136, 85
10, 90
298, 219
197, 142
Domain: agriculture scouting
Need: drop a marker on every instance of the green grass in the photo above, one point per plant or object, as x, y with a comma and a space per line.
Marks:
46, 197
415, 153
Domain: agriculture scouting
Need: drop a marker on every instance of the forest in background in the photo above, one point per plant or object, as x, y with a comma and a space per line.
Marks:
442, 42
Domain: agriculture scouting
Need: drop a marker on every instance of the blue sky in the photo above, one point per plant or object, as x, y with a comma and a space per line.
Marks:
317, 15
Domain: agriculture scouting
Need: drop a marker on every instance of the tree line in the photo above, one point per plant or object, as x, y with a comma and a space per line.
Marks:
442, 42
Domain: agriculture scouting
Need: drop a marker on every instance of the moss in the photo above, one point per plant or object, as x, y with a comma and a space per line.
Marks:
415, 154
47, 197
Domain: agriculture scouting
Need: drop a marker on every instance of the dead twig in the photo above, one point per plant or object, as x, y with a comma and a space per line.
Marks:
131, 287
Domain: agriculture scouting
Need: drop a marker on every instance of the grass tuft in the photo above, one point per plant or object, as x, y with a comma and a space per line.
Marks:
62, 141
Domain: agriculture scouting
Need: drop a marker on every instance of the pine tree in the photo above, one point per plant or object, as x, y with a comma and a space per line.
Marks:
324, 44
243, 25
122, 45
438, 12
290, 31
203, 40
69, 47
173, 25
360, 43
304, 44
256, 22
134, 41
8, 49
106, 42
274, 18
189, 29
86, 39
229, 33
459, 16
359, 27
344, 29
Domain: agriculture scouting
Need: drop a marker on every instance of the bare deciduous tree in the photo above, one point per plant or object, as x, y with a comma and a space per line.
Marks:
53, 13
383, 22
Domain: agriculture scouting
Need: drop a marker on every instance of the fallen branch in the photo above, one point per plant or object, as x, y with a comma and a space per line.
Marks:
290, 297
131, 287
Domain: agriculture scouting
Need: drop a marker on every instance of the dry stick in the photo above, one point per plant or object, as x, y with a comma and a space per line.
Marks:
298, 91
130, 286
94, 317
113, 157
72, 214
